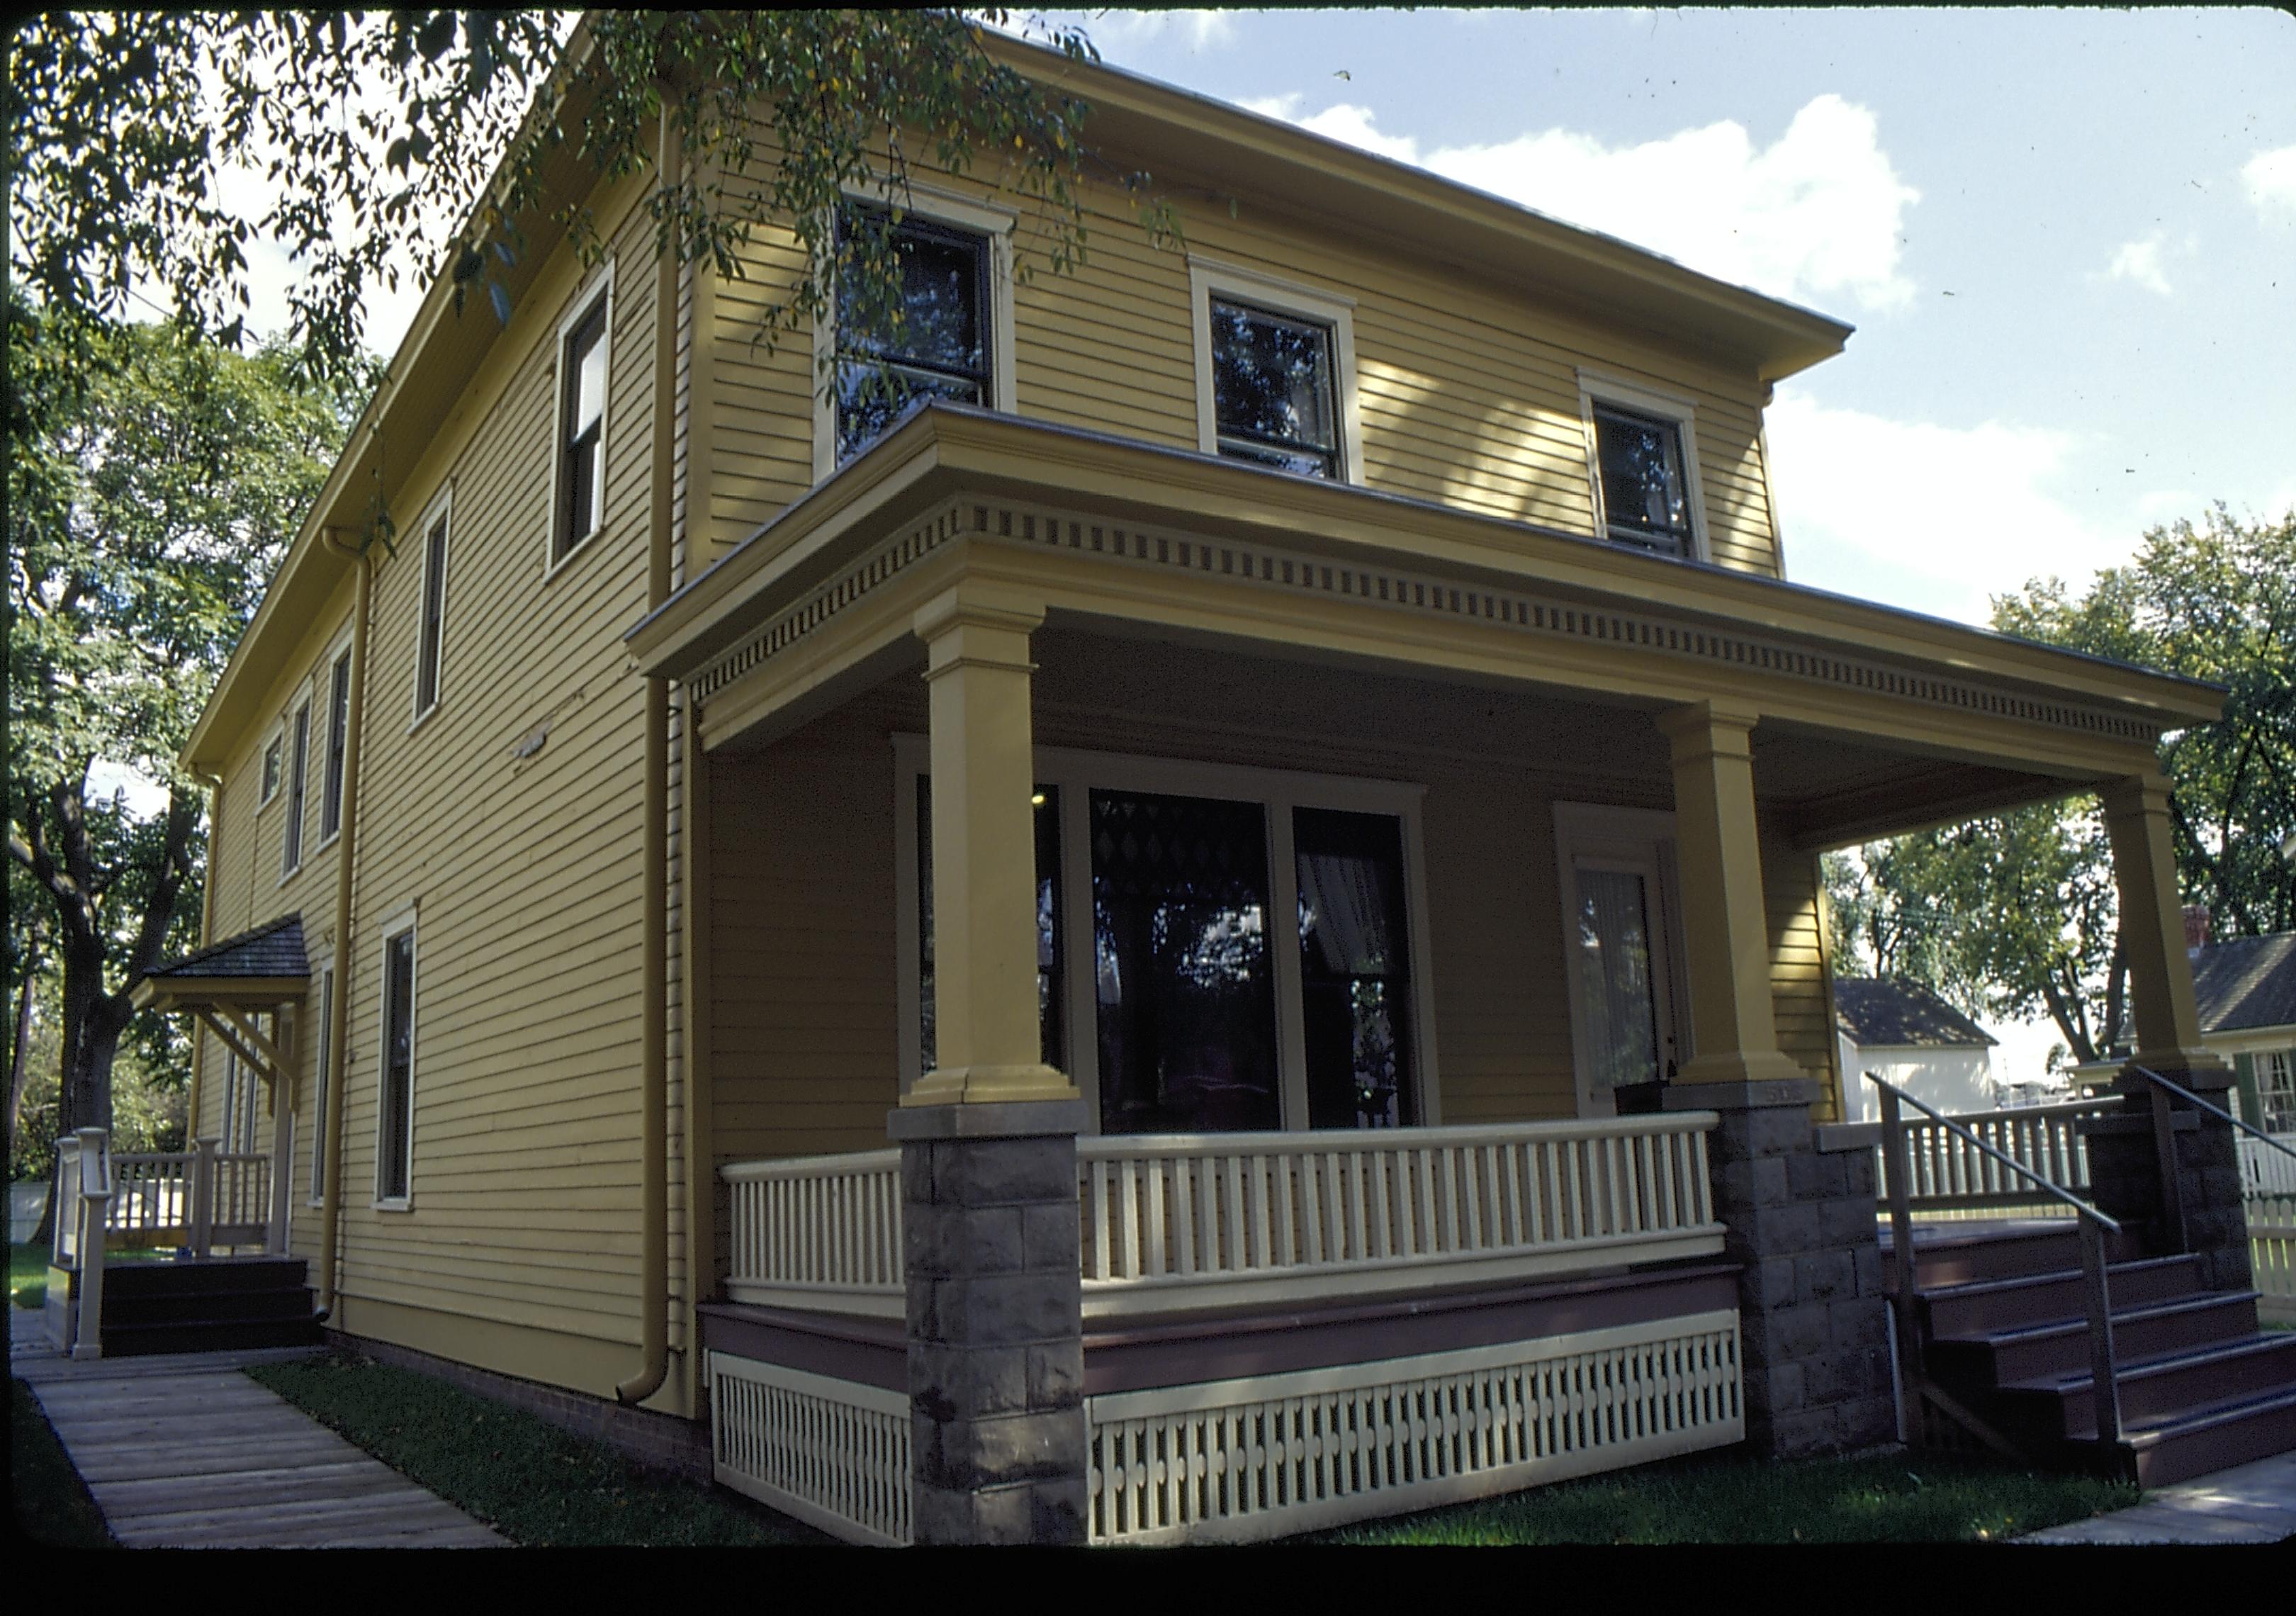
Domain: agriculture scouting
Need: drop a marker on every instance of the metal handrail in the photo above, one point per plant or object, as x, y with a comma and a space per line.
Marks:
2104, 1380
2178, 1088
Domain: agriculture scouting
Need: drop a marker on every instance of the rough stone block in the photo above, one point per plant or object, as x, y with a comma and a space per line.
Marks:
1815, 1176
1768, 1284
1750, 1184
917, 1173
1005, 1172
971, 1382
1872, 1273
1056, 1375
1057, 1512
1780, 1231
1801, 1333
1858, 1324
1780, 1389
1862, 1175
939, 1513
1847, 1222
1002, 1514
1052, 1236
1014, 1448
1777, 1131
1006, 1308
1801, 1435
1824, 1276
1848, 1376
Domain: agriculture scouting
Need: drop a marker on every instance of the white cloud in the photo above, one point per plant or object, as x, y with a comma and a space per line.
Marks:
2140, 261
1819, 212
2270, 179
1199, 27
1936, 517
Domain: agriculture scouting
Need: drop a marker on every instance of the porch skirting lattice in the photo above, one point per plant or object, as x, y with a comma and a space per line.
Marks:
1238, 1460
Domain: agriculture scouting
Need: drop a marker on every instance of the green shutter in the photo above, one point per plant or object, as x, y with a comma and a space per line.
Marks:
2251, 1102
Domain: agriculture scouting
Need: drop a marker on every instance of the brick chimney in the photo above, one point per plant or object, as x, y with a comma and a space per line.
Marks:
2196, 926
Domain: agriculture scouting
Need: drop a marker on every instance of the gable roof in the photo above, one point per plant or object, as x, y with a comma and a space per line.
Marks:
2246, 983
1890, 1012
274, 948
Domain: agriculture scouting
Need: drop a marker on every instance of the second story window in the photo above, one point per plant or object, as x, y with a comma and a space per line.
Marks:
1273, 390
431, 645
298, 755
339, 727
932, 338
271, 756
1644, 479
581, 430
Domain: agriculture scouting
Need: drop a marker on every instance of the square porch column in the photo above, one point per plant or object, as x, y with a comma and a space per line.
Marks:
2124, 1167
989, 1175
1812, 1317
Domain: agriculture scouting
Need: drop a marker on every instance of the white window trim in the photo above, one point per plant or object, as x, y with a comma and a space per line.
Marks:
322, 965
956, 212
323, 683
1278, 791
1596, 388
598, 290
440, 509
400, 924
305, 700
1598, 831
1210, 277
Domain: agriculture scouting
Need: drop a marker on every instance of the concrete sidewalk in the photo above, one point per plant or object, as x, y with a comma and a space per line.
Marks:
2253, 1503
183, 1451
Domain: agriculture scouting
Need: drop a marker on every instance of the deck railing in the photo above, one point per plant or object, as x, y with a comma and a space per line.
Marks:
1177, 1221
151, 1199
1948, 1173
2265, 1170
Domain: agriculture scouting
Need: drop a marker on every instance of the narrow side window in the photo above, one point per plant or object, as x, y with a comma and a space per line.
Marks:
395, 1125
271, 760
581, 428
339, 718
298, 758
434, 618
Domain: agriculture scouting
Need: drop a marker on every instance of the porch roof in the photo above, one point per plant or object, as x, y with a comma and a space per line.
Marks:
1180, 542
258, 969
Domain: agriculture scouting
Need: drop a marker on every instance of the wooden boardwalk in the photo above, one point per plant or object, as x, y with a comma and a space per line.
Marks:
186, 1452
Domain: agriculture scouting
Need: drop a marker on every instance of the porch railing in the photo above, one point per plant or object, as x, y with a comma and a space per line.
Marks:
2267, 1167
200, 1199
1984, 1163
1178, 1221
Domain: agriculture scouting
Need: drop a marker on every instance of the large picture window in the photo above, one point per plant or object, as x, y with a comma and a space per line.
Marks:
1166, 988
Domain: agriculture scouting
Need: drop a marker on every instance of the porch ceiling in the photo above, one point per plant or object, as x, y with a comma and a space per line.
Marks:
1860, 703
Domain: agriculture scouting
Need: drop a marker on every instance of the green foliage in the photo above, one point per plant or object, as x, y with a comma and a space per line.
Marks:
528, 1479
1897, 1497
452, 131
2015, 914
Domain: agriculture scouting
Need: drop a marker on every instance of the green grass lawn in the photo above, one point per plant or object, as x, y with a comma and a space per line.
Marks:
28, 1270
536, 1484
45, 1498
1905, 1498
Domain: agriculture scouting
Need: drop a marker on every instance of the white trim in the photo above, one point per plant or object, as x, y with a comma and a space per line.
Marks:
1619, 836
1277, 791
994, 225
300, 702
598, 290
278, 738
1209, 276
442, 510
1595, 387
323, 1079
401, 924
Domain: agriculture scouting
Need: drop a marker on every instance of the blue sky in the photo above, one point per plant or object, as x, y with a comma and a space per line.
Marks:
2067, 239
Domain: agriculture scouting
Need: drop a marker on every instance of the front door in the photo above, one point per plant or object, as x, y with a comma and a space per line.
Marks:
1621, 930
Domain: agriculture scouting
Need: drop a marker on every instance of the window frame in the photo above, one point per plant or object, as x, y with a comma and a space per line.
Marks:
402, 924
323, 975
1210, 278
949, 211
296, 785
276, 739
437, 518
335, 661
1681, 413
1277, 793
596, 297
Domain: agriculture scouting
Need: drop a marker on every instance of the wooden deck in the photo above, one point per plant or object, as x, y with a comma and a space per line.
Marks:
186, 1452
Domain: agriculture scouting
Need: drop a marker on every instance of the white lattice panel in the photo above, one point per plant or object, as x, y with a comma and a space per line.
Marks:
835, 1453
1236, 1460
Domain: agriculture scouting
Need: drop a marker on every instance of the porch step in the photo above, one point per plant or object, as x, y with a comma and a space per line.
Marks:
1962, 1309
1958, 1259
2061, 1407
2060, 1346
217, 1304
2198, 1441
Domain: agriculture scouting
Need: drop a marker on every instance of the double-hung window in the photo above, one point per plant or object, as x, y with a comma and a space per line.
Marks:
394, 1146
931, 338
1275, 373
338, 723
581, 493
1645, 465
298, 764
431, 644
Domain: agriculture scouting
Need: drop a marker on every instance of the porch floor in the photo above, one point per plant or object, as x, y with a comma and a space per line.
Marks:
183, 1451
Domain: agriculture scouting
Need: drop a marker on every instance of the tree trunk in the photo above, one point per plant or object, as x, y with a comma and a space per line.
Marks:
23, 1046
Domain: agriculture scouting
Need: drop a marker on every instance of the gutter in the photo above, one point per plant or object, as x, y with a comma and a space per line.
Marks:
338, 1032
654, 953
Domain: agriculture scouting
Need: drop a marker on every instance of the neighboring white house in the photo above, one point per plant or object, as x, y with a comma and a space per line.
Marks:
1907, 1035
2246, 989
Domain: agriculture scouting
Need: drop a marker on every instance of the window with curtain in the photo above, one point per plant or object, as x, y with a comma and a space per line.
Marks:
1355, 969
1617, 990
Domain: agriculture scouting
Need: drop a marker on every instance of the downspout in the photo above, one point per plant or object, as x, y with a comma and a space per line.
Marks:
654, 953
339, 1013
206, 936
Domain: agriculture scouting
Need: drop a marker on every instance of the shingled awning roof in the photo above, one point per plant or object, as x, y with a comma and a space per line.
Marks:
257, 970
1894, 1013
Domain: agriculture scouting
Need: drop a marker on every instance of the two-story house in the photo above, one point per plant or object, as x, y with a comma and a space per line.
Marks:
1195, 913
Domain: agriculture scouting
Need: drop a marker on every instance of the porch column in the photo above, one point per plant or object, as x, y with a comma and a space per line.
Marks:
2126, 1169
1812, 1317
988, 1175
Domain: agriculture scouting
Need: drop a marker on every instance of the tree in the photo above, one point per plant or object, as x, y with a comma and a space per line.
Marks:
2016, 913
143, 519
368, 131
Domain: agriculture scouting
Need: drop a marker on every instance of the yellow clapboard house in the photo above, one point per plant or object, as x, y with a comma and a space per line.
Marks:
1214, 930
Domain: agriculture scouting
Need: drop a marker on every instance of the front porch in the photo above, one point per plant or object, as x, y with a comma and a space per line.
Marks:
1253, 924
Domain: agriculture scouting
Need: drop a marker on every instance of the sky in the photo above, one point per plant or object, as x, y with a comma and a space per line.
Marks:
2067, 240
